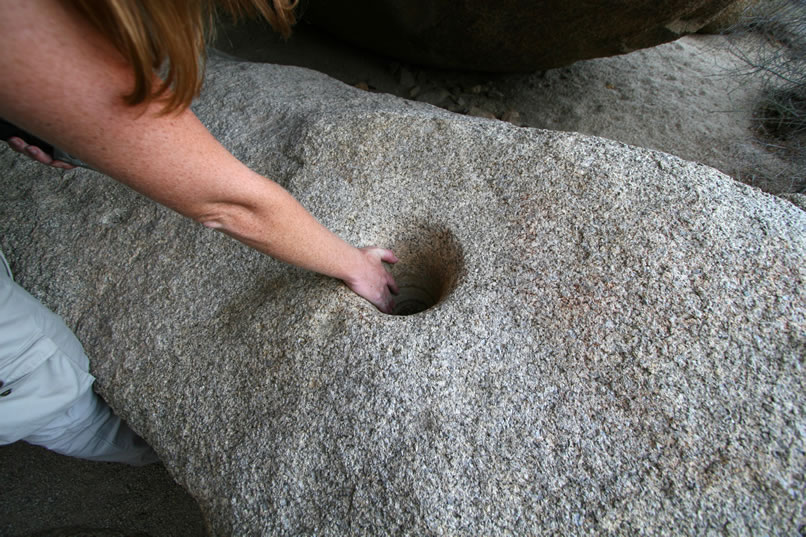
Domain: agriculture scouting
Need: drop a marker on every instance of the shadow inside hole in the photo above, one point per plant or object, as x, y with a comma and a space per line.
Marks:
431, 262
412, 299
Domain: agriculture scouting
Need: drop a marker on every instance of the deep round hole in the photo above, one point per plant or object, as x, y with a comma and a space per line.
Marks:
412, 299
429, 267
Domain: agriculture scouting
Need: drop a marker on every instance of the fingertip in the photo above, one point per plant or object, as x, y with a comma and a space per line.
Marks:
38, 155
17, 144
390, 257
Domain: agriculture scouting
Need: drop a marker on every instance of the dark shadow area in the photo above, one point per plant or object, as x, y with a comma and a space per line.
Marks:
255, 41
313, 48
44, 491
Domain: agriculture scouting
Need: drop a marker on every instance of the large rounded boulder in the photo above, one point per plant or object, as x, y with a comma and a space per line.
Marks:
509, 35
611, 340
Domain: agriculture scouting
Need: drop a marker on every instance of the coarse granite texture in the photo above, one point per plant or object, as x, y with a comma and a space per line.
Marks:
798, 199
617, 345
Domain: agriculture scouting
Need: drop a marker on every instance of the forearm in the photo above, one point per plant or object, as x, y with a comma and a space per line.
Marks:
273, 222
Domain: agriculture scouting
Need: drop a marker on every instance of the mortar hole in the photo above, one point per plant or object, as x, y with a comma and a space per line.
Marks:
430, 263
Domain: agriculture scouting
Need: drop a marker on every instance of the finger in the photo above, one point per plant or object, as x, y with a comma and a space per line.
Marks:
17, 144
392, 284
62, 165
383, 302
388, 305
389, 256
381, 305
38, 155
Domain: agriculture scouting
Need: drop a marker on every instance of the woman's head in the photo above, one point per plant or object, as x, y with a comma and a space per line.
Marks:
171, 35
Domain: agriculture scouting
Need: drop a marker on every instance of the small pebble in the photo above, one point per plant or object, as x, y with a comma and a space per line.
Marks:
480, 112
512, 116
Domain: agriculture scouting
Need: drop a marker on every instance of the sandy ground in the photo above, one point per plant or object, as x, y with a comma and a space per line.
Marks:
686, 98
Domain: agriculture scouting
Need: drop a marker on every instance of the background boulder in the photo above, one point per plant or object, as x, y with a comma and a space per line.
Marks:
615, 342
509, 35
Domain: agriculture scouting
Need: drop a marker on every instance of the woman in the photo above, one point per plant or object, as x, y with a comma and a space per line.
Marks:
81, 75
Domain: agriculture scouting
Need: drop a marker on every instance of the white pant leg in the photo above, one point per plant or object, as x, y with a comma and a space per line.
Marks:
46, 395
90, 430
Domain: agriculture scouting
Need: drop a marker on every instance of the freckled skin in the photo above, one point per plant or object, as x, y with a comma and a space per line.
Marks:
67, 89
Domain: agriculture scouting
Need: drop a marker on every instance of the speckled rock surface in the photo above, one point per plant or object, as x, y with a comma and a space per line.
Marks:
616, 347
508, 35
798, 199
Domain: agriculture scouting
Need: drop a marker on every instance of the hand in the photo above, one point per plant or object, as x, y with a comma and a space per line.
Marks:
373, 282
21, 146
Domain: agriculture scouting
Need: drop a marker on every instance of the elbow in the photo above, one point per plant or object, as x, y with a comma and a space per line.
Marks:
211, 222
221, 217
235, 220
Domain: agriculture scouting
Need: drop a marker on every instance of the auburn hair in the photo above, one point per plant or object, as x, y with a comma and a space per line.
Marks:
169, 37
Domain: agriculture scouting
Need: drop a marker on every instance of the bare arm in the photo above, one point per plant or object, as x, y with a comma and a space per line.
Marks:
62, 81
